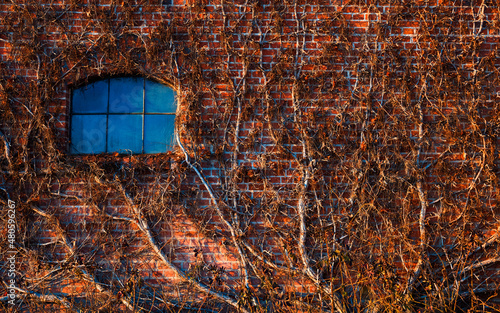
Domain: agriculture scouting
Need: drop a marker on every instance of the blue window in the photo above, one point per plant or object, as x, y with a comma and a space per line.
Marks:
124, 115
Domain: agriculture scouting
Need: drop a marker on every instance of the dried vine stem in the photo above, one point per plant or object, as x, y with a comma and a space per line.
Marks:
235, 236
240, 90
144, 227
421, 194
72, 252
44, 298
302, 245
306, 169
6, 149
456, 285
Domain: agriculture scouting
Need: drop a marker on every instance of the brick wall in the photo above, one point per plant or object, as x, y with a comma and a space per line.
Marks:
372, 124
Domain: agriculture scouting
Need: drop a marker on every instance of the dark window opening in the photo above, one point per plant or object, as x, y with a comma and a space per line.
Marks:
124, 115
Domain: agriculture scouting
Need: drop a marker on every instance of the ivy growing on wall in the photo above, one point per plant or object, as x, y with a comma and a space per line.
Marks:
342, 155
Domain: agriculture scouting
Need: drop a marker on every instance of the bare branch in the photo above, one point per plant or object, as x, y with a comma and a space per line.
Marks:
44, 298
144, 227
83, 272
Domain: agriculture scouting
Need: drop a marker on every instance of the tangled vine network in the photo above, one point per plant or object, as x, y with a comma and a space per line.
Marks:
332, 156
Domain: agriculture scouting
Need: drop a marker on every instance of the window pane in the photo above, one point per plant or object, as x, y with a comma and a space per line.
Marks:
125, 133
126, 95
159, 98
88, 134
158, 133
92, 98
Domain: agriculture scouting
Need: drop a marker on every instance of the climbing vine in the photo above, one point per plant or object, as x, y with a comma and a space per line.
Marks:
341, 155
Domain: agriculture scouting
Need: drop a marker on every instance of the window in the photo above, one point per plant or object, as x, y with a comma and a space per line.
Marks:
124, 115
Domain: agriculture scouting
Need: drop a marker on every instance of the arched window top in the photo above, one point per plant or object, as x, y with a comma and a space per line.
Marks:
125, 115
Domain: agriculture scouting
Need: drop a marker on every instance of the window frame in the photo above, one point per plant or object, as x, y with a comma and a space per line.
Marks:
107, 114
